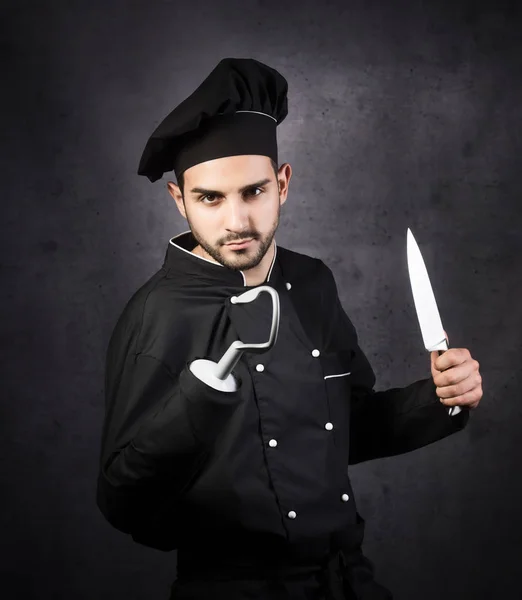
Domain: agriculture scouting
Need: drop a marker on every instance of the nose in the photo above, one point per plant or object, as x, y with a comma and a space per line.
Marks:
236, 216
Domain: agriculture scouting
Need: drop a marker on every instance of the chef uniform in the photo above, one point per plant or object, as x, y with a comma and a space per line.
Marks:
251, 486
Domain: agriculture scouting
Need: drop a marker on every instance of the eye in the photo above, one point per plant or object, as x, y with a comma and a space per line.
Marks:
210, 196
251, 191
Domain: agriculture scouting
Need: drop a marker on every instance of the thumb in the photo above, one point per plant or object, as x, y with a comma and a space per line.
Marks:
435, 354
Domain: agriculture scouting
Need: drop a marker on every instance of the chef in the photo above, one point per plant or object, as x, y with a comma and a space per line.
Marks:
251, 486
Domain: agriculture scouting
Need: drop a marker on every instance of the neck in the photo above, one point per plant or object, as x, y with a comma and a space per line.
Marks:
258, 275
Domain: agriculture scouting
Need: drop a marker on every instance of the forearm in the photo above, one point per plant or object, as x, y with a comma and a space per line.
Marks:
154, 457
399, 420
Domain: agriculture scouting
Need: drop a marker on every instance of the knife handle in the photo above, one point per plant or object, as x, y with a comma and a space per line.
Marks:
453, 410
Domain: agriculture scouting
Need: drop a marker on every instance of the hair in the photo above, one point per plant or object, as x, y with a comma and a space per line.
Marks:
181, 182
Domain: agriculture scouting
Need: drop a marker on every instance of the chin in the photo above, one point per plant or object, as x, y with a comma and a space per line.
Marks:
243, 260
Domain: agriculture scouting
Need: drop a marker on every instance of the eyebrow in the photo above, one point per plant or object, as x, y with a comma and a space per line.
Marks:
198, 190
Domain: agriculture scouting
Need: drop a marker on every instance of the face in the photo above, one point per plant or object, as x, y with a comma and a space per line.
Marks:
233, 199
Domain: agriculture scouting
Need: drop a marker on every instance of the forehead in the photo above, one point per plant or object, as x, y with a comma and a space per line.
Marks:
229, 171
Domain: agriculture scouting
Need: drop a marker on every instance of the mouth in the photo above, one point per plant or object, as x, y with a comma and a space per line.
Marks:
239, 245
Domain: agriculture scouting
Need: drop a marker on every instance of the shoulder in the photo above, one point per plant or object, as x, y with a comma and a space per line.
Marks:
307, 270
303, 267
135, 305
144, 302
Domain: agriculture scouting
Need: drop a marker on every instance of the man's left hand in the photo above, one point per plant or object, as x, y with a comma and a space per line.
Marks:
457, 377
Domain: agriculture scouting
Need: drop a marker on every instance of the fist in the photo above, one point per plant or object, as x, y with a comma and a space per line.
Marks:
457, 377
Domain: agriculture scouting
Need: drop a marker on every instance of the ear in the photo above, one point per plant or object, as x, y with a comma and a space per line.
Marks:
175, 192
283, 180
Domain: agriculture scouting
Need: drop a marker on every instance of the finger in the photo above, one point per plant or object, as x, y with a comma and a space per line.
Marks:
452, 357
464, 387
455, 374
470, 398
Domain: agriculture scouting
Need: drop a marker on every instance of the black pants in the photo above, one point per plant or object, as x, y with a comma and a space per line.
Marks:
345, 577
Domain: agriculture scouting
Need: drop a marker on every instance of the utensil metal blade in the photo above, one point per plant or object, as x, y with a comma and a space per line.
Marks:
425, 303
424, 298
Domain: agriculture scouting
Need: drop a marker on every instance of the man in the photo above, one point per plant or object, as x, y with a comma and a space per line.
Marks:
250, 486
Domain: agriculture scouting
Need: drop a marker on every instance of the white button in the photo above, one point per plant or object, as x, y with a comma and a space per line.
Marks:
345, 497
260, 368
315, 353
272, 443
288, 286
292, 514
328, 426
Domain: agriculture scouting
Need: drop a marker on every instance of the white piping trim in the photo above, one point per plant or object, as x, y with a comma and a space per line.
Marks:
273, 261
212, 262
257, 113
215, 262
340, 375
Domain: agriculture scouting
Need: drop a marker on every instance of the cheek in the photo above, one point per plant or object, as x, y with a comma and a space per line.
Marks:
206, 219
266, 213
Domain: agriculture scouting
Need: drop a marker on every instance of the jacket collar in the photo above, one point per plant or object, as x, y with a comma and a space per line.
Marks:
180, 259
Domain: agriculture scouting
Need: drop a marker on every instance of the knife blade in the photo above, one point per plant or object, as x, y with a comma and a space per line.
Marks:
425, 304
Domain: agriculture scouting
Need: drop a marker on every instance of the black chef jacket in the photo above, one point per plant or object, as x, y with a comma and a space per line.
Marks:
259, 474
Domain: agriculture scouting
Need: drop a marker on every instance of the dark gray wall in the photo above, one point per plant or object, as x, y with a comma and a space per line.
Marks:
401, 115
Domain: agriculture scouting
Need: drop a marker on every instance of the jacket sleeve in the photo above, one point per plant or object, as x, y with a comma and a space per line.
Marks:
390, 422
158, 432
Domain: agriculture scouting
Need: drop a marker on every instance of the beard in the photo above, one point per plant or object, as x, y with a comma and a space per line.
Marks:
241, 261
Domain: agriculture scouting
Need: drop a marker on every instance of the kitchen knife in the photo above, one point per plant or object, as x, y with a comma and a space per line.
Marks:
425, 304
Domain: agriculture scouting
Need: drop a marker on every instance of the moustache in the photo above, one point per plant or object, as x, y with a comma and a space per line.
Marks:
237, 240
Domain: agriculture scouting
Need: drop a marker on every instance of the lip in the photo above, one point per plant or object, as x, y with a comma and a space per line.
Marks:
238, 246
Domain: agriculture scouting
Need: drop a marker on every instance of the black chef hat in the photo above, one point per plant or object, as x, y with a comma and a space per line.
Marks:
234, 111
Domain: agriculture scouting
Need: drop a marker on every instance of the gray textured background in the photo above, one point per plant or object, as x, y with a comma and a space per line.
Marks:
401, 115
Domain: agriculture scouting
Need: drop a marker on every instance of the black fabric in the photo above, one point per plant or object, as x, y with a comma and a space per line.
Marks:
227, 135
183, 466
341, 577
235, 110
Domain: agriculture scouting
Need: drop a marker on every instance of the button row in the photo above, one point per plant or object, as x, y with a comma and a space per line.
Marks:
292, 514
273, 443
260, 367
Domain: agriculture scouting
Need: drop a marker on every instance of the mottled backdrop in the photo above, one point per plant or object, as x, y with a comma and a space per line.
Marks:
402, 114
